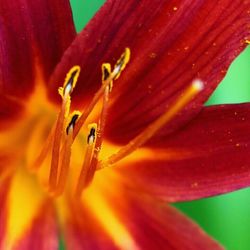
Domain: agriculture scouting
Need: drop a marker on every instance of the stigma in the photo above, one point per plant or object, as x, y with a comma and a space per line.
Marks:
70, 123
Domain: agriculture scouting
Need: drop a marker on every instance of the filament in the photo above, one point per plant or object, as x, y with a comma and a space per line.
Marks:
153, 128
106, 71
66, 154
91, 140
65, 92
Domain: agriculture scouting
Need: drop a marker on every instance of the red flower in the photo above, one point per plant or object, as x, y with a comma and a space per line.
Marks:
142, 139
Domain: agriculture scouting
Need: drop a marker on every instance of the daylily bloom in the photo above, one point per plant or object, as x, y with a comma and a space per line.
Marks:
139, 74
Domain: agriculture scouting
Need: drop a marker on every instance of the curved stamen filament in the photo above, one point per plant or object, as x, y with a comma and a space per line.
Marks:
66, 154
64, 164
65, 92
106, 71
91, 141
56, 146
153, 128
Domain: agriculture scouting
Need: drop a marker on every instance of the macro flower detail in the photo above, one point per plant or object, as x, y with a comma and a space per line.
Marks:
101, 130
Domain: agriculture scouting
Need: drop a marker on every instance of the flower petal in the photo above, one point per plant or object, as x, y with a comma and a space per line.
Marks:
4, 187
23, 205
209, 156
84, 231
43, 234
10, 110
33, 36
171, 42
163, 226
127, 220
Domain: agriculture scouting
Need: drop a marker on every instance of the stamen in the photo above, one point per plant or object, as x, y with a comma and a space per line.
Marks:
106, 71
66, 153
65, 92
56, 146
91, 140
153, 128
69, 84
119, 67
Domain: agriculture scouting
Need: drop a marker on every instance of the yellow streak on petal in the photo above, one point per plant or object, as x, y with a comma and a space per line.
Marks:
37, 138
108, 219
146, 154
25, 199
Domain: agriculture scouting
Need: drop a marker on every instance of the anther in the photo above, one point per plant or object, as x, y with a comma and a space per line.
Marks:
91, 136
70, 81
121, 63
106, 72
85, 171
72, 122
247, 41
142, 138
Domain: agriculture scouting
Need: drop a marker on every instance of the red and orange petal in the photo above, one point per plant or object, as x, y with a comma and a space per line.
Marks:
43, 233
33, 34
85, 232
4, 187
171, 42
208, 156
111, 217
10, 110
156, 225
27, 219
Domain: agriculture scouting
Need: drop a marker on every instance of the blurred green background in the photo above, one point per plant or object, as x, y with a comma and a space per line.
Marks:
225, 217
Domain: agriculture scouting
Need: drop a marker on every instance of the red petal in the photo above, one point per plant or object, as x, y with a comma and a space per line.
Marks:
4, 187
84, 231
27, 215
144, 222
156, 225
43, 234
111, 215
209, 156
33, 34
10, 110
171, 42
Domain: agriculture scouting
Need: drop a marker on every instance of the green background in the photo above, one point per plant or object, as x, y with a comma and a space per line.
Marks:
225, 217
